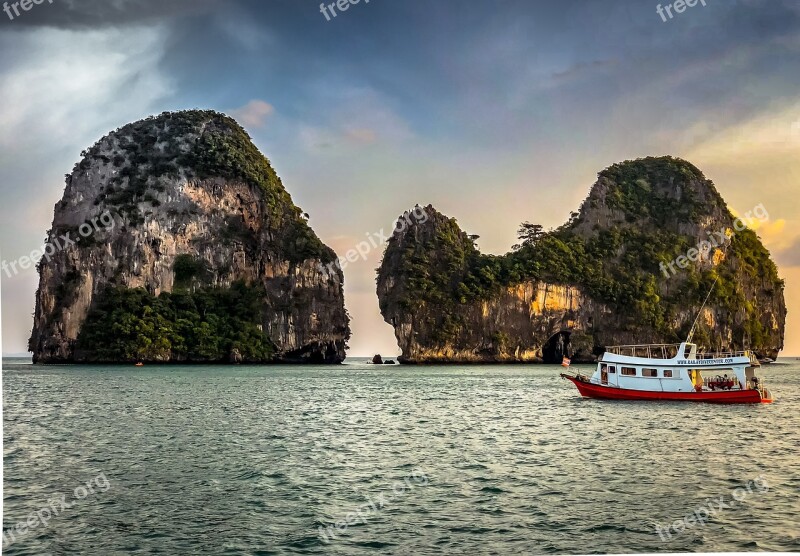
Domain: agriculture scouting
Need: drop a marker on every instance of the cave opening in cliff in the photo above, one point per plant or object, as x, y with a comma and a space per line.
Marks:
556, 348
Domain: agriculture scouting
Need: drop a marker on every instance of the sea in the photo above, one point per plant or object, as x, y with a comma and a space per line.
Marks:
365, 459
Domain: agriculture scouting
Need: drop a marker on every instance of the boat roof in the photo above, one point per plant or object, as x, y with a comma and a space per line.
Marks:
681, 354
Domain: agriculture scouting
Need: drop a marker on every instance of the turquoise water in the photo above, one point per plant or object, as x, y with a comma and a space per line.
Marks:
418, 460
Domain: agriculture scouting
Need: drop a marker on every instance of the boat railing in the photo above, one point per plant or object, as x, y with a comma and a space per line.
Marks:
721, 354
729, 354
649, 351
670, 351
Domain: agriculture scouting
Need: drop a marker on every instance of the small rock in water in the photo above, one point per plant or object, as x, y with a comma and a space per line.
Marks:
388, 362
377, 360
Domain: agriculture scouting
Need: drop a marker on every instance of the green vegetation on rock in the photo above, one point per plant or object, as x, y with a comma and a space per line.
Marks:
612, 250
186, 269
206, 325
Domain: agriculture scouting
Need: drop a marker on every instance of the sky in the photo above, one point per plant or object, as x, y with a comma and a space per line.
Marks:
494, 111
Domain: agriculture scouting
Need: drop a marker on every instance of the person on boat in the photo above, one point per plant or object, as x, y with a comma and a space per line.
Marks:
755, 383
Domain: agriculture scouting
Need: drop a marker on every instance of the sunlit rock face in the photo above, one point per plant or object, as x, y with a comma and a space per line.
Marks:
604, 278
183, 204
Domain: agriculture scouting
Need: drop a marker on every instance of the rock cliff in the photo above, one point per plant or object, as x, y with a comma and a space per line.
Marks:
176, 241
634, 265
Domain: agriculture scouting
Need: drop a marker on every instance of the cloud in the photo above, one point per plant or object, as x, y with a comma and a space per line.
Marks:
98, 14
254, 114
773, 134
790, 257
313, 138
362, 117
243, 31
65, 86
345, 138
361, 135
581, 69
772, 234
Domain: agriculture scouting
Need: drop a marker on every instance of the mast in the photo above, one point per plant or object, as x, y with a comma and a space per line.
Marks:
711, 289
694, 324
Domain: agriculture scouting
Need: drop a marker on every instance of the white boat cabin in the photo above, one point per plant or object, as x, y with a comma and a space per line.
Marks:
675, 368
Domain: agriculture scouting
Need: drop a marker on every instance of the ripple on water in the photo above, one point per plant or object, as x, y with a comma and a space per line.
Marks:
256, 460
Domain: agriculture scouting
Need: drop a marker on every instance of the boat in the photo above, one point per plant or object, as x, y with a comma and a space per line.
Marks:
674, 372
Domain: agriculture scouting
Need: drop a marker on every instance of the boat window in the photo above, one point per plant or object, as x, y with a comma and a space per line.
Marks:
650, 372
628, 371
612, 370
667, 373
603, 367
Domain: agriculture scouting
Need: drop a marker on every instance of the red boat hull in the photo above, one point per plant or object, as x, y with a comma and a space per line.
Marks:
589, 390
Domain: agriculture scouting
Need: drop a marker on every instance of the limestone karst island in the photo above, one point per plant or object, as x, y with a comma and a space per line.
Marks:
207, 259
603, 278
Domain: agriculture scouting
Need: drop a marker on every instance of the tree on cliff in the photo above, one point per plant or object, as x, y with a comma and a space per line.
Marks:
528, 234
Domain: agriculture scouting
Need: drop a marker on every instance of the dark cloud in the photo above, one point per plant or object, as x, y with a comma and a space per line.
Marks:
88, 14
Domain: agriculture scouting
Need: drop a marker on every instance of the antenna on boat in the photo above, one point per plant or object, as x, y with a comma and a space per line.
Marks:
694, 324
700, 312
